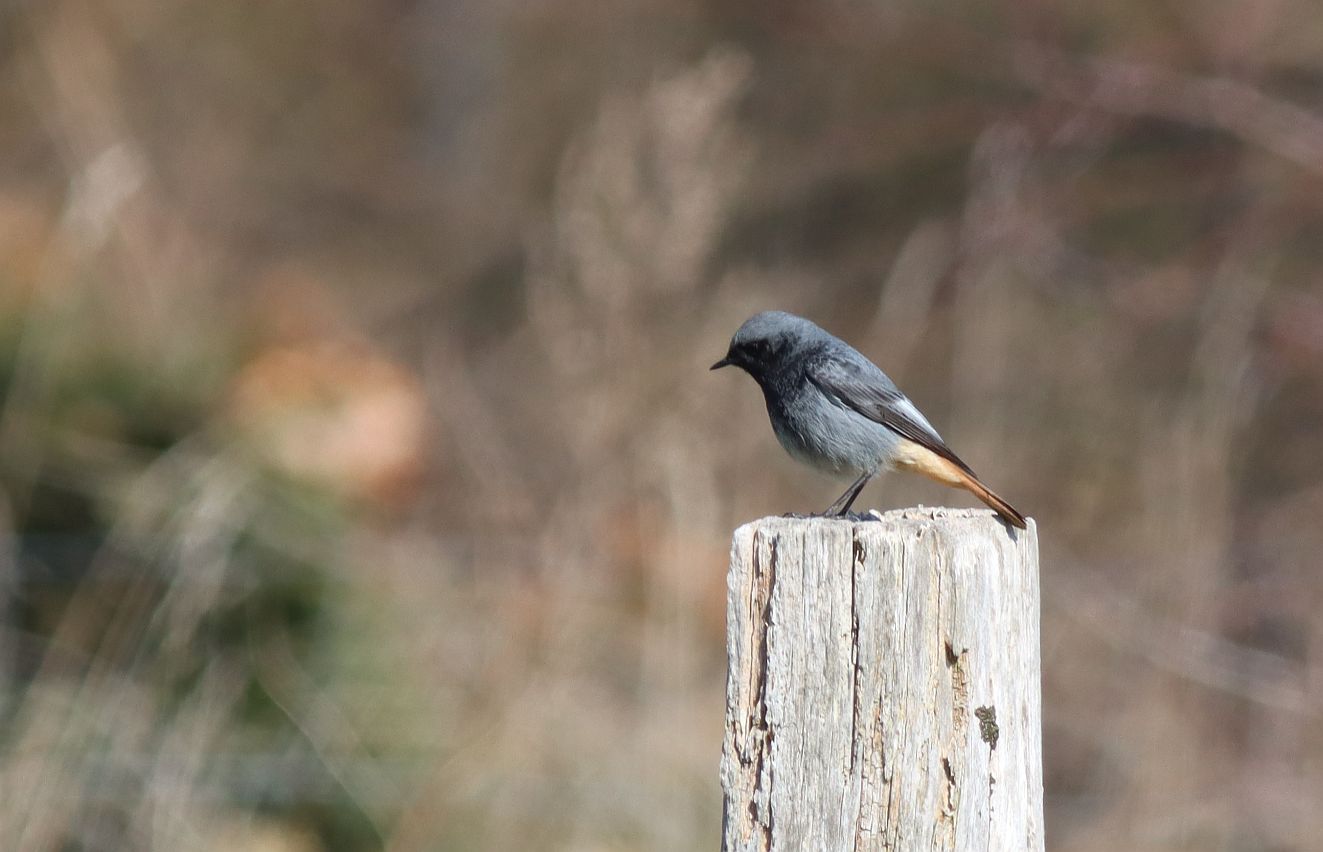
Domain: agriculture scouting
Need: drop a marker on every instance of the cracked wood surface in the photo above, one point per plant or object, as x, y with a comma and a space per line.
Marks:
883, 690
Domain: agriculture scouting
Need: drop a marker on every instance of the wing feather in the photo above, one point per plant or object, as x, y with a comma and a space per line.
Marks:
871, 394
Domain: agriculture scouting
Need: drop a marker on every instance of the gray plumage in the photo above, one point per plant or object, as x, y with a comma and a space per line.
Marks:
835, 410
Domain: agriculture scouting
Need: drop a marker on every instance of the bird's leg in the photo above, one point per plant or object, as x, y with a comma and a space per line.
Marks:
843, 503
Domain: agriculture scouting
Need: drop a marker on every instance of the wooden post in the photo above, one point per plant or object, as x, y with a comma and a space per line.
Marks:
883, 690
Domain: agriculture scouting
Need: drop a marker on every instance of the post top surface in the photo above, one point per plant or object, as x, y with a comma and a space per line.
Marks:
914, 518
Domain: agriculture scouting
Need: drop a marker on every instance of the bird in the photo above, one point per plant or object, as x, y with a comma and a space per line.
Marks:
836, 411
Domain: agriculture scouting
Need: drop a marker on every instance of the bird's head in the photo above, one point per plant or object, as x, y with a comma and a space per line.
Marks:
766, 341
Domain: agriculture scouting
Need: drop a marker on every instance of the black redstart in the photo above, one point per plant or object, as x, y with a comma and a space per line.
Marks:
834, 409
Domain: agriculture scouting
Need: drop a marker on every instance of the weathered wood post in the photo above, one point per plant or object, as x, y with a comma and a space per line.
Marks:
883, 690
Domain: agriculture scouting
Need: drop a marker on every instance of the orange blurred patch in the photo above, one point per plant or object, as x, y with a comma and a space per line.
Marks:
26, 230
340, 414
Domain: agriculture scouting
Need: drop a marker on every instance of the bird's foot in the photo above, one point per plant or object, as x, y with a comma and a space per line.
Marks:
853, 517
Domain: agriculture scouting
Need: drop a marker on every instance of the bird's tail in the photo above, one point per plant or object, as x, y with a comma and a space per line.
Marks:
971, 484
949, 470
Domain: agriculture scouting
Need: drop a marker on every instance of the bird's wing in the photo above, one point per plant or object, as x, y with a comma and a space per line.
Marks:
870, 393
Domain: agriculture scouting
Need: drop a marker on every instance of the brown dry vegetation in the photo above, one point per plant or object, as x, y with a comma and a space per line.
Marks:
364, 487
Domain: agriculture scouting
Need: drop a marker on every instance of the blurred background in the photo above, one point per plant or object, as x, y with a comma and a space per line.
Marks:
362, 485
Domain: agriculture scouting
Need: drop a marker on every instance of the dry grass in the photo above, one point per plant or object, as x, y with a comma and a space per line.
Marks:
364, 485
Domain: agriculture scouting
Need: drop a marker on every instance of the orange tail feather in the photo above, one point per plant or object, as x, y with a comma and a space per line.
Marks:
994, 502
920, 459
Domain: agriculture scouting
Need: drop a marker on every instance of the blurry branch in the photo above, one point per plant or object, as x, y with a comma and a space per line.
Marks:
323, 724
907, 296
639, 207
640, 200
1007, 246
179, 767
200, 537
69, 75
432, 802
95, 704
1189, 474
74, 83
1196, 655
1133, 88
105, 718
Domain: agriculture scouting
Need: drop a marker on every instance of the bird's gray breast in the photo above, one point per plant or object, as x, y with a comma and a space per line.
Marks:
820, 431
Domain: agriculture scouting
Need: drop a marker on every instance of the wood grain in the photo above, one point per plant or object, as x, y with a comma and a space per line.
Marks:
883, 689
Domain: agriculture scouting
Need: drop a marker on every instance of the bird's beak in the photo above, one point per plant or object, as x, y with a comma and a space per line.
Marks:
724, 362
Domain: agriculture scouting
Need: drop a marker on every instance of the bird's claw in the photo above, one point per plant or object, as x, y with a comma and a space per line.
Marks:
853, 517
